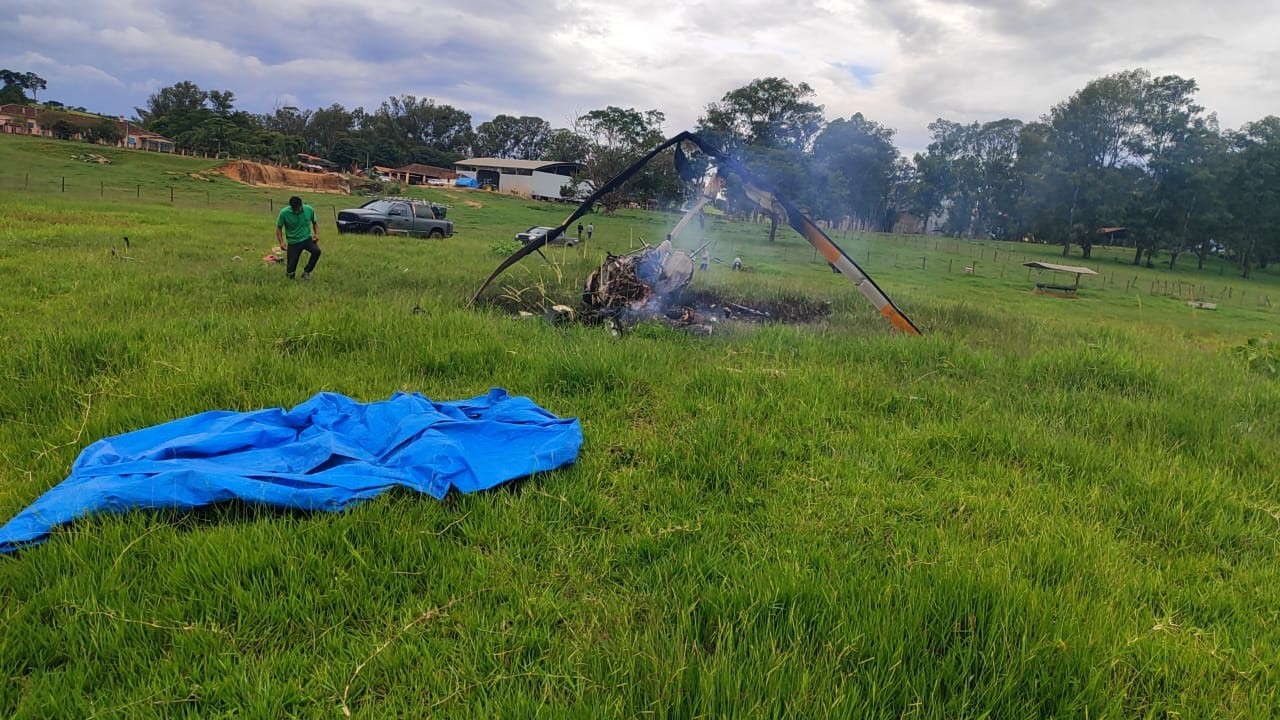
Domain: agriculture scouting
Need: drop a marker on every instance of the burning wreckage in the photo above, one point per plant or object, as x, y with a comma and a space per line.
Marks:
644, 284
651, 283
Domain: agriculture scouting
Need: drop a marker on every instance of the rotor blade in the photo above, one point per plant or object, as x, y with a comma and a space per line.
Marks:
684, 167
796, 219
816, 237
600, 192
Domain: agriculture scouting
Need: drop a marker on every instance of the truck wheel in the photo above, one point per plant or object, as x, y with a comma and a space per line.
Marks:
436, 233
377, 230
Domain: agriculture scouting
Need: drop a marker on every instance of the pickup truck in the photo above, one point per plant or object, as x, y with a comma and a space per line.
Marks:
397, 216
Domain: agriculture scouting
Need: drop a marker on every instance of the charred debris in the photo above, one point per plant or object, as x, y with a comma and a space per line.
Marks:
653, 283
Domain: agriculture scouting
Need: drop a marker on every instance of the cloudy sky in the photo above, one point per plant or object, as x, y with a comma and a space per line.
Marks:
902, 63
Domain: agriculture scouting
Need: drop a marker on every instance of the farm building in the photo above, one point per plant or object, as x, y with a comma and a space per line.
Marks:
34, 120
18, 119
136, 138
417, 173
530, 178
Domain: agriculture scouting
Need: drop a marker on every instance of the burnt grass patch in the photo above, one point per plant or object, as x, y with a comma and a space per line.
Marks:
692, 307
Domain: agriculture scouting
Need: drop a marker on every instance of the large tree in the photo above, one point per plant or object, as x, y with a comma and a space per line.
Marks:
326, 126
969, 170
767, 112
1170, 145
616, 137
564, 145
351, 151
419, 130
506, 136
1091, 162
1253, 193
14, 87
33, 82
858, 158
222, 102
20, 82
102, 130
286, 120
768, 124
183, 96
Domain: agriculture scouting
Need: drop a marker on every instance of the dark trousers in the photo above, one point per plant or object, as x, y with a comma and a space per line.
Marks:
295, 251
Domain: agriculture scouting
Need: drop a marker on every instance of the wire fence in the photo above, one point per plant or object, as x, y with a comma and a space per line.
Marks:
183, 191
937, 255
924, 253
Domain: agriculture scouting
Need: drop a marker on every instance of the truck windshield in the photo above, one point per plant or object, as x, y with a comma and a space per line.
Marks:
378, 206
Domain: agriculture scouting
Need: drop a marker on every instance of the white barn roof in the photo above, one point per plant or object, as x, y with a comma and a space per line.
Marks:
508, 164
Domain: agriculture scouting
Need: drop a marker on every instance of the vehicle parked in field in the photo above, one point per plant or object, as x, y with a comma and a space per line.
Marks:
538, 231
397, 216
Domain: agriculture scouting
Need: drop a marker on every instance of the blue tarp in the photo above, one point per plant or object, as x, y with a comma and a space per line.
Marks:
325, 454
467, 182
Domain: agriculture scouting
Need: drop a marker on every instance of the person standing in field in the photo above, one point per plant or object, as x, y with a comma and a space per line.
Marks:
590, 229
706, 260
297, 225
579, 232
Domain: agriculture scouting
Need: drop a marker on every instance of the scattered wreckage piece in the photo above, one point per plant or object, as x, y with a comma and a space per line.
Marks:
639, 283
760, 192
650, 284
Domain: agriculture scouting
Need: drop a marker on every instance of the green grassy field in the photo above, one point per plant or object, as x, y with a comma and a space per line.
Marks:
1041, 508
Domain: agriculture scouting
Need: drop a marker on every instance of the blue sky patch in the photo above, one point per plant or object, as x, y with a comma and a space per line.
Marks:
863, 73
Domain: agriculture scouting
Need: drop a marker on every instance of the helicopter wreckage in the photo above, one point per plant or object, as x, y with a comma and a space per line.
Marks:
652, 282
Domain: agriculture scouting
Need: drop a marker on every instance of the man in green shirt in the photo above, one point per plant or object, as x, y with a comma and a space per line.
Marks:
297, 223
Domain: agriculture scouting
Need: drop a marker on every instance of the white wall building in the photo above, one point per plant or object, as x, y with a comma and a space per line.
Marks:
529, 178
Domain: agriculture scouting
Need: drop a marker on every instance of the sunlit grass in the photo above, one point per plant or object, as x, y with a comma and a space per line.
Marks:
1041, 508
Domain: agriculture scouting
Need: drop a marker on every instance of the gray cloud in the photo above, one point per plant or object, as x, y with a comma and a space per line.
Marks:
900, 62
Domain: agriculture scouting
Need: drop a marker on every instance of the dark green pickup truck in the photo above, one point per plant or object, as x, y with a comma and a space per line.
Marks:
397, 216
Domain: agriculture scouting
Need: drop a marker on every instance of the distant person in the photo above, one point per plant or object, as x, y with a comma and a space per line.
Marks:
706, 260
297, 224
737, 263
590, 229
579, 232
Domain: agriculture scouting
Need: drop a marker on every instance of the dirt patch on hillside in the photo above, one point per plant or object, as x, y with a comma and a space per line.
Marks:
252, 173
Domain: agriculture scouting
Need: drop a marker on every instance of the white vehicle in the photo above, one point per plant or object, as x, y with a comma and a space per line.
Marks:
538, 231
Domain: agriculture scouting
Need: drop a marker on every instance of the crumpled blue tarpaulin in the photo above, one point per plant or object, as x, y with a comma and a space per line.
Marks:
325, 454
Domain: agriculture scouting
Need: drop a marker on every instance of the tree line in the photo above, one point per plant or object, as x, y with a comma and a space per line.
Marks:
1130, 154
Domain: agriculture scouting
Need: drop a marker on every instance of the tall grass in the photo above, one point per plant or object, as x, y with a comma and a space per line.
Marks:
1042, 508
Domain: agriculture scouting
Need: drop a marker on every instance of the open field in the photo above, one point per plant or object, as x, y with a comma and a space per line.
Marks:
1041, 508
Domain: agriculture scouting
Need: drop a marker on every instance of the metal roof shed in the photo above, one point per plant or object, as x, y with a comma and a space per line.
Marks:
1058, 289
